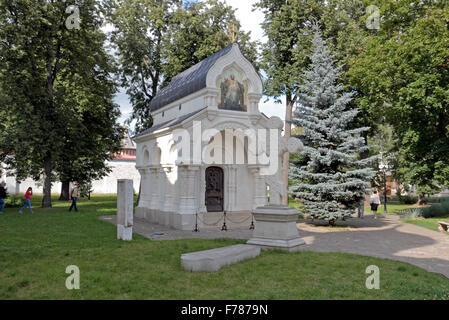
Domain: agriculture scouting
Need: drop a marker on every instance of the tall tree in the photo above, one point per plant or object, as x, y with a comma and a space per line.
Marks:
48, 48
139, 27
198, 31
92, 134
157, 39
331, 177
403, 75
285, 56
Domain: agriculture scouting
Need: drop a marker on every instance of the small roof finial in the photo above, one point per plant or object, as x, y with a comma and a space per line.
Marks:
233, 33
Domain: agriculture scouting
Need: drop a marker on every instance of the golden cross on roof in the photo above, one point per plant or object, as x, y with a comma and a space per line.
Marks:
233, 33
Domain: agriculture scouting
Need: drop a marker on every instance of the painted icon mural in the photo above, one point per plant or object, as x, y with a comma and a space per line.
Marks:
232, 91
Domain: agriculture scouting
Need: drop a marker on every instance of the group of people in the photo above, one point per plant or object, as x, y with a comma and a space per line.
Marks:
75, 193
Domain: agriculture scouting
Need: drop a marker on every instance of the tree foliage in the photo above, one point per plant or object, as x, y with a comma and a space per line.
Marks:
403, 75
56, 89
286, 54
157, 39
331, 178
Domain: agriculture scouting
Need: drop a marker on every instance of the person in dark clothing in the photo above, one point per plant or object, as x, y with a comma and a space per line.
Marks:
3, 196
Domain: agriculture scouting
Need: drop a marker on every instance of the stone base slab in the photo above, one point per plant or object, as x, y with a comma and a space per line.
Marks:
276, 228
213, 260
186, 221
287, 245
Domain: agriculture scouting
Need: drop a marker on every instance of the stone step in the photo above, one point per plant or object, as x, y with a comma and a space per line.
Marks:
214, 259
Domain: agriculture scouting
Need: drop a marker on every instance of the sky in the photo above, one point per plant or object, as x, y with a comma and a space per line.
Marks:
250, 21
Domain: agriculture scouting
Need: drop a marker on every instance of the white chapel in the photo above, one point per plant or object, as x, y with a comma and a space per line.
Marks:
210, 154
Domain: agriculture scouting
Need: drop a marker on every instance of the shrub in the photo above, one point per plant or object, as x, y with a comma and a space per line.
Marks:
14, 201
436, 210
437, 199
408, 199
415, 213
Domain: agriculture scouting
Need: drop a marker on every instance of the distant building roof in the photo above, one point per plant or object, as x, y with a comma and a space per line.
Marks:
127, 143
188, 81
128, 151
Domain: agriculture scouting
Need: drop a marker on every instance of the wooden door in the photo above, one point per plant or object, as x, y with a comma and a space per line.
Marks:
214, 189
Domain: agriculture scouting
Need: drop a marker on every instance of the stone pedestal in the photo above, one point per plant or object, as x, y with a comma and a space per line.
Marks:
276, 228
125, 197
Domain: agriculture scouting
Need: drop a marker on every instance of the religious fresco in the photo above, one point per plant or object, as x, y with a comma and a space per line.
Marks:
233, 91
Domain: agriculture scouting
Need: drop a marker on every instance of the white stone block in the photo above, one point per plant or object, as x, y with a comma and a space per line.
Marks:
124, 233
213, 260
125, 205
276, 228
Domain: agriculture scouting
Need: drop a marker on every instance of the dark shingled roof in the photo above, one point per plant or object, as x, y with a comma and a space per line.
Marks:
169, 123
187, 82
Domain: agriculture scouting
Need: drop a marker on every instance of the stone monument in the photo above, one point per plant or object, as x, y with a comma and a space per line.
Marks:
125, 198
275, 223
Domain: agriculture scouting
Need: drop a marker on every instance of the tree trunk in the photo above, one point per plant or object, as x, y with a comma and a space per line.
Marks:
287, 135
65, 190
421, 201
46, 200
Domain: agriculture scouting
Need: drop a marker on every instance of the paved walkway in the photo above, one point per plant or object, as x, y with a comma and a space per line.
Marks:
385, 237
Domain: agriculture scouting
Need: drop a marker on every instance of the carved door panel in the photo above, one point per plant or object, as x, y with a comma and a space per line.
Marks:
214, 189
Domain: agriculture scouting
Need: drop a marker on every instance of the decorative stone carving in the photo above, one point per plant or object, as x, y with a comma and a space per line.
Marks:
277, 189
275, 123
292, 145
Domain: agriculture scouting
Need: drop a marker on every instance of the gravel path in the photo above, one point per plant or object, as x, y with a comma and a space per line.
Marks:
385, 237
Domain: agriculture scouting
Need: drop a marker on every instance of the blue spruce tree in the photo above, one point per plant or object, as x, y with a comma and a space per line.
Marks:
330, 178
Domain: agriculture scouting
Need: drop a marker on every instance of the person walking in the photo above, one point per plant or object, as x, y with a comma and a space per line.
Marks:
2, 196
75, 194
374, 203
28, 195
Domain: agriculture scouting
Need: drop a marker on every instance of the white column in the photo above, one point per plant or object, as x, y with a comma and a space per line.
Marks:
210, 99
168, 198
253, 102
188, 202
202, 191
162, 182
232, 187
154, 203
260, 188
145, 191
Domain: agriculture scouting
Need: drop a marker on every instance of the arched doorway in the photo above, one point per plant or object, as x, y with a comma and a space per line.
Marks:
214, 189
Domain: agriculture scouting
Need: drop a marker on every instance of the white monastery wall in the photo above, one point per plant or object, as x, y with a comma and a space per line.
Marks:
108, 185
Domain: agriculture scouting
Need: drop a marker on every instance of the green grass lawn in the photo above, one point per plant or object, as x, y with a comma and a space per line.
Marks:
392, 208
429, 223
36, 249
